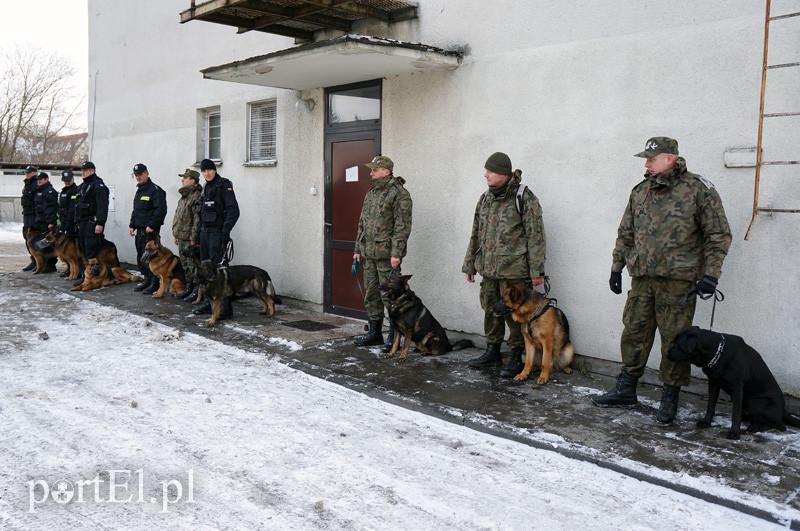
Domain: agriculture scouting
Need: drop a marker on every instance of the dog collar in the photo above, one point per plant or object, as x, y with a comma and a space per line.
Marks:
720, 348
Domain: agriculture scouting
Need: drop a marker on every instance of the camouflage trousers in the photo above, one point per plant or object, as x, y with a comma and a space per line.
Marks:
190, 259
655, 303
495, 327
375, 272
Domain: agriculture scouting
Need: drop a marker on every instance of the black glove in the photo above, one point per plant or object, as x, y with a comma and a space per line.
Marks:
615, 282
707, 285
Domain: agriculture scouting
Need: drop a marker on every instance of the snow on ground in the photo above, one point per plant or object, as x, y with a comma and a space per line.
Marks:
10, 232
267, 446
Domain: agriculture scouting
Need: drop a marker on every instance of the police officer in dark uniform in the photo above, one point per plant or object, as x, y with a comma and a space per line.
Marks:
66, 208
91, 213
219, 212
149, 211
45, 204
28, 212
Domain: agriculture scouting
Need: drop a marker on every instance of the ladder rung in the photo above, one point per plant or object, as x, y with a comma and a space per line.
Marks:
778, 114
778, 162
780, 210
787, 15
782, 65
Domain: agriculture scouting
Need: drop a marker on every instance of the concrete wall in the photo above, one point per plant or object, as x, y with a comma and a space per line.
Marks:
570, 90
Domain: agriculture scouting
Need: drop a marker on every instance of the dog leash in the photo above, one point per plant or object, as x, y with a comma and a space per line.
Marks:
718, 297
227, 256
354, 270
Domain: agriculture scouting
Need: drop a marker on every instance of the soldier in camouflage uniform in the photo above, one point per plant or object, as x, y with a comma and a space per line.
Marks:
383, 231
507, 246
186, 229
673, 236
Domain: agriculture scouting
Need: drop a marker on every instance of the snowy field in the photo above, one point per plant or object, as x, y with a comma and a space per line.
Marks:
237, 440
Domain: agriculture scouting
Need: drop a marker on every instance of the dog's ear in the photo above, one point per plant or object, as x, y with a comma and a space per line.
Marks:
516, 293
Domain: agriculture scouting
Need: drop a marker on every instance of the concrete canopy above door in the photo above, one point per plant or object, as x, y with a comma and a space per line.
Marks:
343, 60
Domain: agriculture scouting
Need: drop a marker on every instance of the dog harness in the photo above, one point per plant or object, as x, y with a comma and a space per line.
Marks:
720, 348
545, 304
407, 301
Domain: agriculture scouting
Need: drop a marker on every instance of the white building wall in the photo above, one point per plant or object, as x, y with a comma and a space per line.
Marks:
570, 90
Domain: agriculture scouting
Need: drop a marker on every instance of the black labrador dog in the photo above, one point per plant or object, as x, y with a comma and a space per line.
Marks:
735, 367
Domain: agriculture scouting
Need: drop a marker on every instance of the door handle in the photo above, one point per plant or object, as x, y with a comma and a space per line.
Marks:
328, 226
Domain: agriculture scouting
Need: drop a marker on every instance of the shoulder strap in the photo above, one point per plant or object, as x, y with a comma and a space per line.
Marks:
518, 199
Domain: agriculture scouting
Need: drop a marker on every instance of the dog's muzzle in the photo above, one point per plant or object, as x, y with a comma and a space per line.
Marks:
146, 257
500, 309
96, 270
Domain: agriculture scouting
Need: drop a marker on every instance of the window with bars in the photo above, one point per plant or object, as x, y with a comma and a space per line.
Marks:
261, 134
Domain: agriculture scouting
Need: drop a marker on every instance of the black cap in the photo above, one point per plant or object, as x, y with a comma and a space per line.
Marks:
67, 175
30, 169
88, 165
207, 164
139, 168
42, 175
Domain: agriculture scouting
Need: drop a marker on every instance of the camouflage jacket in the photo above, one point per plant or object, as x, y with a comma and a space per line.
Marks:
674, 227
505, 243
385, 222
186, 221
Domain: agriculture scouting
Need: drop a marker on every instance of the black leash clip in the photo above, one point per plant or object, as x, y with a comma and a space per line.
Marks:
718, 297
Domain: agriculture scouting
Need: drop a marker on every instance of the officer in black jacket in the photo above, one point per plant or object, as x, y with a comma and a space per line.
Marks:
91, 213
28, 212
149, 211
219, 212
67, 198
45, 205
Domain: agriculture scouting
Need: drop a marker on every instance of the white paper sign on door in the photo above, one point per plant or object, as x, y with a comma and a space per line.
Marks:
351, 175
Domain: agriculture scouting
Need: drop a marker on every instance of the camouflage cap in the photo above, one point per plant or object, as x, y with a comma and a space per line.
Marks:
190, 173
381, 161
659, 144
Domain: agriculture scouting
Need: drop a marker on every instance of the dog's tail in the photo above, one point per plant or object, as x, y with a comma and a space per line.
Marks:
790, 419
462, 344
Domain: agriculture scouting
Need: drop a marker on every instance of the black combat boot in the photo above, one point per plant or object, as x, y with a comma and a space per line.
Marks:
669, 404
622, 395
65, 273
152, 287
226, 311
374, 335
51, 266
186, 291
514, 365
31, 266
387, 345
203, 308
147, 277
490, 357
192, 296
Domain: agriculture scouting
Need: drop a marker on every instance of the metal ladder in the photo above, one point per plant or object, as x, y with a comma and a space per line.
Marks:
761, 115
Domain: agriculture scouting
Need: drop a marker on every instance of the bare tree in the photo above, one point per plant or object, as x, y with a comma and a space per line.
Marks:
34, 93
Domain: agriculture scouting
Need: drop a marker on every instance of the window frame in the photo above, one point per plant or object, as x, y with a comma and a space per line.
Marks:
267, 161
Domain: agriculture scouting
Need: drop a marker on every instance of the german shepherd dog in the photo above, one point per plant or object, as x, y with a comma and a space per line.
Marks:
66, 249
104, 267
414, 322
166, 266
42, 252
97, 274
738, 369
236, 280
544, 327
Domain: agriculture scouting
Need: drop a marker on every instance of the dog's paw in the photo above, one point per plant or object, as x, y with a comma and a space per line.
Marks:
567, 370
542, 380
702, 424
733, 435
210, 323
521, 377
389, 355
